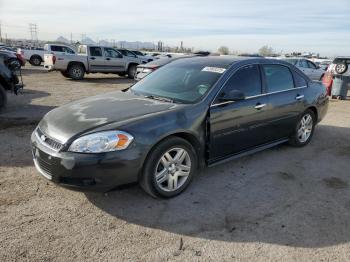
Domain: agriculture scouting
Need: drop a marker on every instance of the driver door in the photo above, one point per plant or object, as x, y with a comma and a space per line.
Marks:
239, 125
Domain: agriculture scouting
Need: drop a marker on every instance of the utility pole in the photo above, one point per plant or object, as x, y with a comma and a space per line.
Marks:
0, 33
33, 29
71, 38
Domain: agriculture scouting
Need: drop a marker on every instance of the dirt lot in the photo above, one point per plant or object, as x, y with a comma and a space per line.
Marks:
281, 204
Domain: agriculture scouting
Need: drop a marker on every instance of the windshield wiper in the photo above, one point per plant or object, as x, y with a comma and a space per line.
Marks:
160, 98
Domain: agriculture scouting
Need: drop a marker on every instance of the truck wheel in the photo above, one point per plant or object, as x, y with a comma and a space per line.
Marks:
76, 72
35, 60
132, 71
65, 74
3, 97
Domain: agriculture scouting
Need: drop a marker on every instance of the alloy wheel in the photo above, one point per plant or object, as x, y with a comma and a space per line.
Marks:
173, 169
305, 128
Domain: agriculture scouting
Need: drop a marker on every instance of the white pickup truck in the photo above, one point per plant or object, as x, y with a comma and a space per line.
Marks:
35, 56
92, 59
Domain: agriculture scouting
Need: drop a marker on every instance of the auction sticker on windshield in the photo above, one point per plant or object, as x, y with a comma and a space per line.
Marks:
218, 70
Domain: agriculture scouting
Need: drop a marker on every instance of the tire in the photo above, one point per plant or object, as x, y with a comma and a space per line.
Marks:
3, 97
302, 133
35, 60
15, 64
341, 68
76, 72
181, 171
65, 74
132, 71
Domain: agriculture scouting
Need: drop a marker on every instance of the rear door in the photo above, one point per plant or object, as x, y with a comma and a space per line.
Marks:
285, 93
96, 59
114, 61
236, 126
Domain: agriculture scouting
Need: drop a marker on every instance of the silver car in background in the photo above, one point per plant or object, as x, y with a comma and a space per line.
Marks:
308, 67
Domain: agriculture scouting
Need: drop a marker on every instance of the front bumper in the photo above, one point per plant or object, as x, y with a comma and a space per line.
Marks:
92, 172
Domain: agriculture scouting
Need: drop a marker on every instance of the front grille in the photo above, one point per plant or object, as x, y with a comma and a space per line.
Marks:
48, 141
45, 166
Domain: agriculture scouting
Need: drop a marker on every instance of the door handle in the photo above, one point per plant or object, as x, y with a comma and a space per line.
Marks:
259, 106
299, 97
108, 59
92, 58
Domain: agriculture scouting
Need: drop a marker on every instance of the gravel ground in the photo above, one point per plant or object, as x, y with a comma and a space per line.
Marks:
283, 204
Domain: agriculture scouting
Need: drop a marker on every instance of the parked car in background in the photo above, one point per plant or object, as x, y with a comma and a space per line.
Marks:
58, 49
143, 56
11, 58
19, 60
35, 56
10, 79
91, 59
339, 65
132, 56
191, 113
145, 69
307, 67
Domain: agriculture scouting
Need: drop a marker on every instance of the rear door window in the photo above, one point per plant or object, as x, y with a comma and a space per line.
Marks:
246, 80
311, 65
95, 51
303, 63
278, 78
56, 48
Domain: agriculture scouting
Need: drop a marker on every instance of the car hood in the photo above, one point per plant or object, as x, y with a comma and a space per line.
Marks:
87, 114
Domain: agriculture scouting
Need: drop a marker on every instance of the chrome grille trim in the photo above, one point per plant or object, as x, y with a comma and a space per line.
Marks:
48, 141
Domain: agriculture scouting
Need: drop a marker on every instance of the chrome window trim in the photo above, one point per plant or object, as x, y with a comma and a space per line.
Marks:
249, 97
45, 144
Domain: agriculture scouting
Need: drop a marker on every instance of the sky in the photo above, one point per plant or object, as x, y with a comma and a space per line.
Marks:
242, 25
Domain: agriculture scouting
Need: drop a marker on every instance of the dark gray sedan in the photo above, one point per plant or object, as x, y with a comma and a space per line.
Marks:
191, 113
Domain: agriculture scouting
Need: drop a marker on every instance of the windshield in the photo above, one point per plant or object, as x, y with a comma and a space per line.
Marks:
180, 82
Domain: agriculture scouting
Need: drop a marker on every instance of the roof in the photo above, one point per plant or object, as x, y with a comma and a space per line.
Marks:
216, 60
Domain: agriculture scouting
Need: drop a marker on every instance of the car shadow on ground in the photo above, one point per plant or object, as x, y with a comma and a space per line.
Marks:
20, 111
286, 196
105, 80
30, 70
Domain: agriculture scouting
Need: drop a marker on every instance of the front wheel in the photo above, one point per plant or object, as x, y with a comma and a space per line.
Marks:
169, 168
304, 129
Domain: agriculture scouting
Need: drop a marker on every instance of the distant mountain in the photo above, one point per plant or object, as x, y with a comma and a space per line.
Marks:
62, 40
88, 41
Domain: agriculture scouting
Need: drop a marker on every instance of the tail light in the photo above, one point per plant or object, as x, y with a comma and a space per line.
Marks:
327, 80
53, 59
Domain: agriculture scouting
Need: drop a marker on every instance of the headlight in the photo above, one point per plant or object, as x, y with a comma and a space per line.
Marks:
102, 142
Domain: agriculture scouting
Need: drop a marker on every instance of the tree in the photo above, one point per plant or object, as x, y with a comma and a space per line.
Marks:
223, 50
266, 51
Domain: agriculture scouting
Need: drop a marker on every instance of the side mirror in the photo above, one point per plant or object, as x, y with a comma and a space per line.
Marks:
232, 95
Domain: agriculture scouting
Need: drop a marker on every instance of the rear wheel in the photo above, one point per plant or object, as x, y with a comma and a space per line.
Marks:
3, 97
76, 72
169, 168
35, 60
132, 71
304, 129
